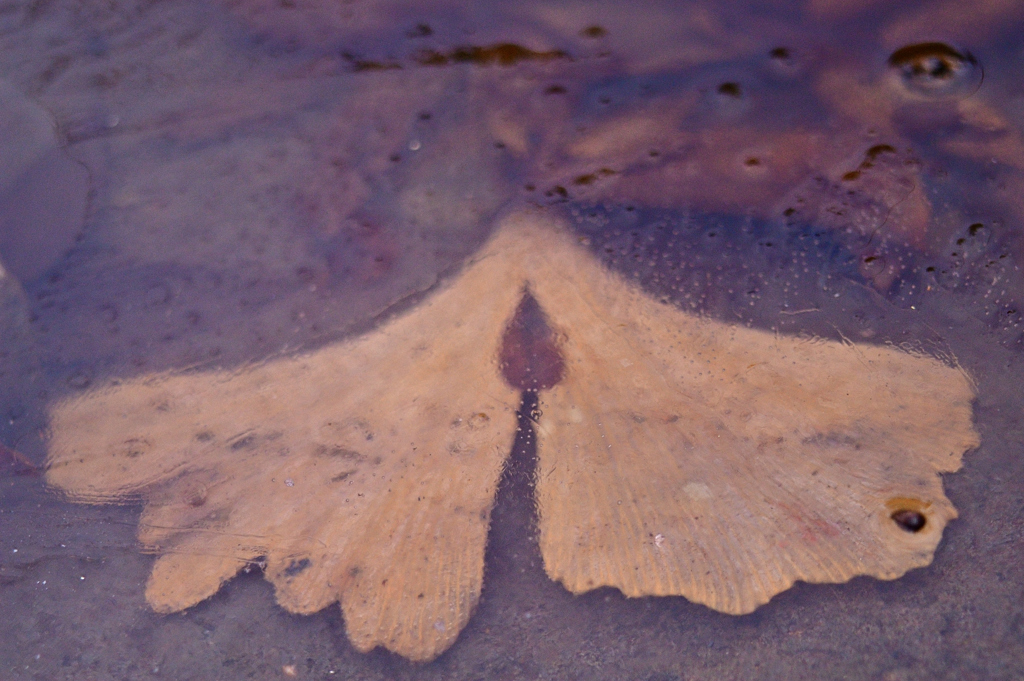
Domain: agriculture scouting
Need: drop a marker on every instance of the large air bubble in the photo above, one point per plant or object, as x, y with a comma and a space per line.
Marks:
936, 71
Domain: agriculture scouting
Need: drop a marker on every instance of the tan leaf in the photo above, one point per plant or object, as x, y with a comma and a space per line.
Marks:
677, 455
364, 471
685, 456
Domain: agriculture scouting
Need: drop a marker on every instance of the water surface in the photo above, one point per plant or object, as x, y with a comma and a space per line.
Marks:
189, 186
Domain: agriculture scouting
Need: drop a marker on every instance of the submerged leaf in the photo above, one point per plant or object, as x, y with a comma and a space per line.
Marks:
363, 472
683, 456
677, 455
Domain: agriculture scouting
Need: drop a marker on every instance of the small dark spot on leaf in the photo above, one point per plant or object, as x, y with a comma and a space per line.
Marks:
478, 421
136, 447
196, 497
297, 566
339, 452
908, 520
244, 442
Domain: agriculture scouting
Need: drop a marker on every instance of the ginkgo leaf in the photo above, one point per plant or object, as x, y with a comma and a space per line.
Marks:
677, 455
363, 472
684, 456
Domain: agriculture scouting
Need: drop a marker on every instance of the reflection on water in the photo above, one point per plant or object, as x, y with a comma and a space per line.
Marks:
202, 188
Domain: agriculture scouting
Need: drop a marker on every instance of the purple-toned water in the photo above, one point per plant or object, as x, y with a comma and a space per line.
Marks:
194, 185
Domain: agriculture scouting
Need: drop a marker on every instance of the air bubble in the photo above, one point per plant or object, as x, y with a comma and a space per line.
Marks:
936, 71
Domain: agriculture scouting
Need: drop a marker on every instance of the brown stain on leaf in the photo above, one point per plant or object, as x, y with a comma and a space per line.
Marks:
530, 358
